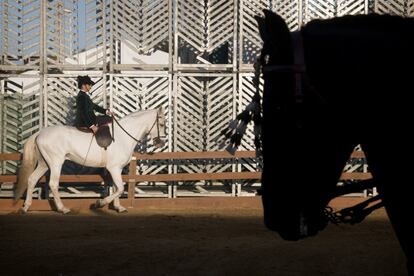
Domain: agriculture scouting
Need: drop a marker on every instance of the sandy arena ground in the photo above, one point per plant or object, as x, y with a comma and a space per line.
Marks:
189, 240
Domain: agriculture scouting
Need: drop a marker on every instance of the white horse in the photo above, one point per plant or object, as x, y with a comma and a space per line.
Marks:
50, 147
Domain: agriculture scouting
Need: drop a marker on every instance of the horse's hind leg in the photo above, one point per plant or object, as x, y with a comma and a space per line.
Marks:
54, 186
34, 177
117, 178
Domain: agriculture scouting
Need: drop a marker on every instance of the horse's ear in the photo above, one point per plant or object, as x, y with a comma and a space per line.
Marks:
272, 15
267, 23
278, 37
275, 23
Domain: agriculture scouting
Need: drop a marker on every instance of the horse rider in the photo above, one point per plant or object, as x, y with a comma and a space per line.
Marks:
85, 115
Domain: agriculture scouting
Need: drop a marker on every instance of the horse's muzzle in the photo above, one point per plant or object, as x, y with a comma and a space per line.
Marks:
293, 226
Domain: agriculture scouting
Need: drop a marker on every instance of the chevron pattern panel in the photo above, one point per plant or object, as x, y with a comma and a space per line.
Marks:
410, 9
141, 93
289, 10
11, 105
11, 32
141, 25
205, 31
396, 7
96, 34
20, 116
345, 7
191, 30
30, 32
31, 109
61, 100
99, 91
189, 121
62, 33
204, 106
12, 102
250, 41
10, 12
219, 104
127, 95
190, 23
220, 25
246, 91
320, 9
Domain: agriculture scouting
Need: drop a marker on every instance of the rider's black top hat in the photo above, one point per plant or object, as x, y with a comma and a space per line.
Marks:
84, 80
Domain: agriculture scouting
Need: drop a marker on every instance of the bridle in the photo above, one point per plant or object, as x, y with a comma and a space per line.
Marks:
253, 111
156, 123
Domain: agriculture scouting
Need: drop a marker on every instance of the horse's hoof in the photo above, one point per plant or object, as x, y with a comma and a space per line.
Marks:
99, 204
22, 210
122, 209
65, 210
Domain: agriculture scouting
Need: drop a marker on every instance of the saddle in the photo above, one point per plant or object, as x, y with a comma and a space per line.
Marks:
103, 135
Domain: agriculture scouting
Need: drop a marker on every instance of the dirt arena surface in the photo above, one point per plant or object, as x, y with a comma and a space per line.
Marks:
189, 239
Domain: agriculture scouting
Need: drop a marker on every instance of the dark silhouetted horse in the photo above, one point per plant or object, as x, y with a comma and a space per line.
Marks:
352, 84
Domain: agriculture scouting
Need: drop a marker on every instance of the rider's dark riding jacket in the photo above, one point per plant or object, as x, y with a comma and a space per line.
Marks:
85, 115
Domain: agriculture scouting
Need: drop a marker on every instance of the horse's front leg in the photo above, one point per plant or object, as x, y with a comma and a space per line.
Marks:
116, 204
119, 189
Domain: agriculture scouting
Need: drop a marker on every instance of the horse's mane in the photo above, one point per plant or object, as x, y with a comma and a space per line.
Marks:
136, 113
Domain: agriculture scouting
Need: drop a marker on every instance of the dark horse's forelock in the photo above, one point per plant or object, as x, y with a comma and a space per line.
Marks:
354, 87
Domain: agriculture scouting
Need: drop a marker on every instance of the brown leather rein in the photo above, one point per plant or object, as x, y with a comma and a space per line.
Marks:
156, 123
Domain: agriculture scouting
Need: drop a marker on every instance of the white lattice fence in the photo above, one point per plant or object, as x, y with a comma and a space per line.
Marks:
132, 93
61, 100
143, 24
291, 11
220, 102
246, 91
320, 9
20, 115
96, 32
60, 35
345, 7
194, 57
189, 120
220, 27
12, 32
190, 26
395, 7
249, 38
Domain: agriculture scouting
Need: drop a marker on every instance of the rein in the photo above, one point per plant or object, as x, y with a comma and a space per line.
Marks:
124, 130
354, 214
358, 212
156, 123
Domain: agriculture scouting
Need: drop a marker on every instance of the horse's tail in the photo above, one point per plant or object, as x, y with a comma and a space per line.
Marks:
30, 157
